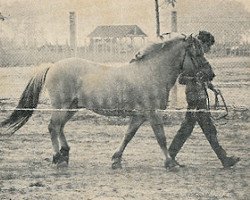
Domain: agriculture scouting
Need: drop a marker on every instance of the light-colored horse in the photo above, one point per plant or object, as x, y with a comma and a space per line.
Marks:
136, 89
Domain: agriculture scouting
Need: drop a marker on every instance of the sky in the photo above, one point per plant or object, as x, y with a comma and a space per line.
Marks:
246, 3
50, 17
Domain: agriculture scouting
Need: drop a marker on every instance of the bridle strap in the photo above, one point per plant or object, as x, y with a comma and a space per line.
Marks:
191, 57
184, 58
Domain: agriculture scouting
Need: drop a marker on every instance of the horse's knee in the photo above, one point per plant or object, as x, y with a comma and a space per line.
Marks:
53, 130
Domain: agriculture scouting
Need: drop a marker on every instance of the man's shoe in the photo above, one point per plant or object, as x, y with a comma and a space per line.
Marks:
230, 161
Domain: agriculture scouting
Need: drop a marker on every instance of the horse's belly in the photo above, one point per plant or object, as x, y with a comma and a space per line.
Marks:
121, 104
116, 112
108, 105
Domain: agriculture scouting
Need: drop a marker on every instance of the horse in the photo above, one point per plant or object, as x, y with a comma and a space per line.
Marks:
136, 90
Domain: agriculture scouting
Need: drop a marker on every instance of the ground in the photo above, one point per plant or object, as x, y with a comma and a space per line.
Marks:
26, 170
27, 173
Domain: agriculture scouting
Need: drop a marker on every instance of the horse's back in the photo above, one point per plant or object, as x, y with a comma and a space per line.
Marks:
79, 78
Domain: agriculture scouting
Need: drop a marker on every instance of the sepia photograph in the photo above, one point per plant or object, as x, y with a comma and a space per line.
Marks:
122, 100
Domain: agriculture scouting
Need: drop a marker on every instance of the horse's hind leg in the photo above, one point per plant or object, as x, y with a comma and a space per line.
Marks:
135, 123
64, 151
157, 126
56, 126
67, 115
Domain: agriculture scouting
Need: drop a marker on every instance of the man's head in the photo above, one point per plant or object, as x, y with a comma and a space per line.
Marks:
207, 40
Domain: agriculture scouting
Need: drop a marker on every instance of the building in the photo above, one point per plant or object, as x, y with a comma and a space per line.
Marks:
116, 38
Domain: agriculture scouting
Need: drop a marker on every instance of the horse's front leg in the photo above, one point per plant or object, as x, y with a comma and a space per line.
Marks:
135, 123
157, 126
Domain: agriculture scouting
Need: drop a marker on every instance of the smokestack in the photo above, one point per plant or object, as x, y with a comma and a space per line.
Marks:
72, 27
174, 21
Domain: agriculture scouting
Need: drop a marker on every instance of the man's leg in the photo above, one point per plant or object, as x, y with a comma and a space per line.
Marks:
208, 128
183, 133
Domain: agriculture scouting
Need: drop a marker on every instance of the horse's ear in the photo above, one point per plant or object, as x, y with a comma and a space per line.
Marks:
185, 36
189, 39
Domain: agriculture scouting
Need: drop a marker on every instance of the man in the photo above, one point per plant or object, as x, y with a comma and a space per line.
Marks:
196, 96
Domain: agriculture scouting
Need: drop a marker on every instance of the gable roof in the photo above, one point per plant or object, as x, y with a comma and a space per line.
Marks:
117, 31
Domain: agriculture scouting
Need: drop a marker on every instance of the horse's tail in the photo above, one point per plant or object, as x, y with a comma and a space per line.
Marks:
27, 103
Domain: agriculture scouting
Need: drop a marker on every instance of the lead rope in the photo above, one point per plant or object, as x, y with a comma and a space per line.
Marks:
224, 104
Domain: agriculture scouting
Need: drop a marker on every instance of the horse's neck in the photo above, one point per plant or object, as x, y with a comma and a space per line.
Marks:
167, 64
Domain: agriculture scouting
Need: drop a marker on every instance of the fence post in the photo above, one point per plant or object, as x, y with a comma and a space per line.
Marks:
157, 16
72, 27
174, 29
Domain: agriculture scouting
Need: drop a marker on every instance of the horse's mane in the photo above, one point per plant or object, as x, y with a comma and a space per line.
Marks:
155, 48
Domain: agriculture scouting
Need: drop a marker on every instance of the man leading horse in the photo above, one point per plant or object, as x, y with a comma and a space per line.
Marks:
197, 81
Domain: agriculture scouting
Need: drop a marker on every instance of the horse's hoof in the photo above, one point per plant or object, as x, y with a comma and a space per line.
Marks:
116, 165
170, 164
62, 165
56, 158
60, 160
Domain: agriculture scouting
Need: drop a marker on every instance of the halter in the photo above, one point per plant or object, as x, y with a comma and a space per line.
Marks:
187, 50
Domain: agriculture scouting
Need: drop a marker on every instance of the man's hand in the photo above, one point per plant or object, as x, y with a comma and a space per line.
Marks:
216, 91
201, 77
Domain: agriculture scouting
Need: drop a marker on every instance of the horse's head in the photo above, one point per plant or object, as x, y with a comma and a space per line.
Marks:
194, 46
171, 54
194, 58
159, 51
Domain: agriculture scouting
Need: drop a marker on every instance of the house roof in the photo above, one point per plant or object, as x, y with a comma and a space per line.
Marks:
117, 31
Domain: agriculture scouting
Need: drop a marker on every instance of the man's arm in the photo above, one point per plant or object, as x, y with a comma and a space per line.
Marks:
185, 79
205, 69
199, 77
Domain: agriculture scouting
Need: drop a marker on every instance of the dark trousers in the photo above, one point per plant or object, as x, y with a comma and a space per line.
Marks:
187, 126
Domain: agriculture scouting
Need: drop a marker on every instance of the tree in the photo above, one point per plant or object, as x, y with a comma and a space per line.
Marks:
157, 14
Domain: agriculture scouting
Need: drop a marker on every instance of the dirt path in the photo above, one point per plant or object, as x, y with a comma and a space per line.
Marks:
26, 171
